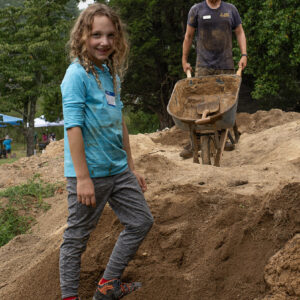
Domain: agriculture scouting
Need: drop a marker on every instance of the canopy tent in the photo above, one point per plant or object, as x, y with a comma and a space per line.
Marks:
42, 122
8, 120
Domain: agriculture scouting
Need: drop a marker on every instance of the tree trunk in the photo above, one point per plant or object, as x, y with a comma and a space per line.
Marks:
165, 120
30, 128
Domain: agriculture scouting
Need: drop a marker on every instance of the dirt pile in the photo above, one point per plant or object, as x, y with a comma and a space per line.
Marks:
262, 120
220, 233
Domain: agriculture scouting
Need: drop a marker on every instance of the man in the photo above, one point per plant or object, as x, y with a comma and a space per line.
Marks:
213, 22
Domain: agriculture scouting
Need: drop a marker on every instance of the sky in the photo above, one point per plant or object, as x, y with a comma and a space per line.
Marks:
83, 5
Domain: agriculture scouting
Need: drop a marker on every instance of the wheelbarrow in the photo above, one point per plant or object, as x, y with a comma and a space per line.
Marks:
206, 106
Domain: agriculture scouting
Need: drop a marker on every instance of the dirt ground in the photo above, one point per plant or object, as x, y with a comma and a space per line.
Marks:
220, 233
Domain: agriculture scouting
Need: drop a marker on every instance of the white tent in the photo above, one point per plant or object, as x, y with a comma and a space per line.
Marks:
42, 122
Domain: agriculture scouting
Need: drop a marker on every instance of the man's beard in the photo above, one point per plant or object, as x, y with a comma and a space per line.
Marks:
213, 1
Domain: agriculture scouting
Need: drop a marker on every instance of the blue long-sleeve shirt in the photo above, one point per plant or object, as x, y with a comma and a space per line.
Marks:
99, 115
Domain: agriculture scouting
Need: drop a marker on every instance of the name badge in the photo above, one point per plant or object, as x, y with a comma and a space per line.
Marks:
110, 98
207, 17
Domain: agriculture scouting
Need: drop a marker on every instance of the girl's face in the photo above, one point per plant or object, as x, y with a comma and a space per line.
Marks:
100, 44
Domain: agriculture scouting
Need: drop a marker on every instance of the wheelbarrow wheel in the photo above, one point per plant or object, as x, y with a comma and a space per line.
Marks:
205, 150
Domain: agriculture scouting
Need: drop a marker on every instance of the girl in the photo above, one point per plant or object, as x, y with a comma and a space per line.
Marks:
98, 163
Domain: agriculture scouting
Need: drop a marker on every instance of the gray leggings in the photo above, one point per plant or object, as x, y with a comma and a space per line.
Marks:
125, 197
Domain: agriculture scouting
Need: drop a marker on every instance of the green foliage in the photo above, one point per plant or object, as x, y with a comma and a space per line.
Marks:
52, 104
156, 30
30, 44
30, 194
273, 36
6, 3
12, 224
15, 217
140, 122
32, 57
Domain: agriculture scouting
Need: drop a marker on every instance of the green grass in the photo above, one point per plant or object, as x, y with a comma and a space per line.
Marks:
12, 224
23, 201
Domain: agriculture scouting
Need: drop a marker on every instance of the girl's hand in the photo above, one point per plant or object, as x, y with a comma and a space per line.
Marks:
141, 180
86, 192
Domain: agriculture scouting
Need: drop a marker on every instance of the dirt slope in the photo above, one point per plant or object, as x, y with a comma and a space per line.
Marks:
220, 233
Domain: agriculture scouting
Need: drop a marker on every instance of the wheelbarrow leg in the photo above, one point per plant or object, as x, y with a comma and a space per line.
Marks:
231, 138
195, 146
236, 133
205, 150
220, 150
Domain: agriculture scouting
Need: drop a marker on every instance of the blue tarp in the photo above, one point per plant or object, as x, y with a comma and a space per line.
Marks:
8, 120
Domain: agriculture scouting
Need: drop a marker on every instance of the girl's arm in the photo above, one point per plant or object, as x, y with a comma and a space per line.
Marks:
85, 185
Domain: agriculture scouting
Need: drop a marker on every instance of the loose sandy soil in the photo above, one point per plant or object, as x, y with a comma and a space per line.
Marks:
220, 233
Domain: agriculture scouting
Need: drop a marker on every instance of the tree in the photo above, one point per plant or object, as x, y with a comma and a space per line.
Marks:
273, 32
51, 99
6, 3
156, 30
32, 57
273, 38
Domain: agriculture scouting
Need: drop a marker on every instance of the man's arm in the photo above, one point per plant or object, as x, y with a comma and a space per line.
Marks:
187, 43
241, 38
126, 147
85, 185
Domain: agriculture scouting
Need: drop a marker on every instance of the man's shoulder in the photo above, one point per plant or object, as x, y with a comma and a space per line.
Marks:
198, 6
229, 5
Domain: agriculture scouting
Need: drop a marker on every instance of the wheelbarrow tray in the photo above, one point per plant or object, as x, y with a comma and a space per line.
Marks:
190, 92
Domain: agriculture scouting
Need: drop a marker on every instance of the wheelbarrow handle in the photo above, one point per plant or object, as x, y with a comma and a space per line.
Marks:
239, 71
202, 121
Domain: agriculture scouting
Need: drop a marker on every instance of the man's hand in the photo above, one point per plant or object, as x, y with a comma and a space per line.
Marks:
141, 180
186, 66
86, 192
243, 62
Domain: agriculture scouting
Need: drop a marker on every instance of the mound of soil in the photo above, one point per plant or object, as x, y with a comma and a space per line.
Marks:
262, 120
219, 234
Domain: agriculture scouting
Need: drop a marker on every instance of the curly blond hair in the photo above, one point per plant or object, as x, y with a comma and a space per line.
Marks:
81, 31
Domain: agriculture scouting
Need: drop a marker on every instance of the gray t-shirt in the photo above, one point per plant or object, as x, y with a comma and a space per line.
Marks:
214, 34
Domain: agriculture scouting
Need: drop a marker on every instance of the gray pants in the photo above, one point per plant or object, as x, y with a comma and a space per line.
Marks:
125, 197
